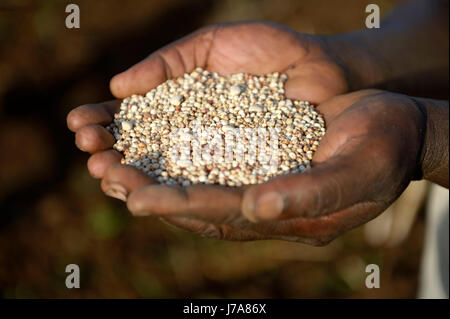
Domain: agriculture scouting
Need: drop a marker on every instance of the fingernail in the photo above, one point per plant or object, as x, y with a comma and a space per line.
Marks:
269, 206
117, 191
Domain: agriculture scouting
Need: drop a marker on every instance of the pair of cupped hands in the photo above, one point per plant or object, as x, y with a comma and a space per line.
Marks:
369, 154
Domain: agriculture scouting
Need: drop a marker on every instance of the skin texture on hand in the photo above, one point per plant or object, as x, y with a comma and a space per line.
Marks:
369, 154
252, 47
435, 155
365, 160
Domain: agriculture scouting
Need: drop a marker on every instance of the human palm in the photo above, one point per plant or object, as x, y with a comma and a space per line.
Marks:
368, 156
337, 194
251, 47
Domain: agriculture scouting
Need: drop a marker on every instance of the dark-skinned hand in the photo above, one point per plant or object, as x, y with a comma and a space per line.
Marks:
366, 159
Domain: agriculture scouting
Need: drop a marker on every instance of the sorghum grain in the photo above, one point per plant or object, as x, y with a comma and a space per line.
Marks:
205, 107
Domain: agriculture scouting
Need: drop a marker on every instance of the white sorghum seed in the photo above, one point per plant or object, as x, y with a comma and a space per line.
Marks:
255, 108
144, 125
127, 126
176, 100
235, 90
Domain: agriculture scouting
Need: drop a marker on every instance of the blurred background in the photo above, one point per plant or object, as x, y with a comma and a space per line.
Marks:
52, 213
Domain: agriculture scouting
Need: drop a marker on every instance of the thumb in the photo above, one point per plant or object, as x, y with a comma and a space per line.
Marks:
170, 61
335, 184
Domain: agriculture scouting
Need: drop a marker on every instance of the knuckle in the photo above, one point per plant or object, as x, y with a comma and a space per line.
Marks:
212, 231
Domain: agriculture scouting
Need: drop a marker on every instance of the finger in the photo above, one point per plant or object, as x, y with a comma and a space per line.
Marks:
171, 61
212, 203
102, 114
94, 138
98, 163
120, 180
214, 231
342, 119
312, 231
335, 184
333, 107
312, 86
322, 230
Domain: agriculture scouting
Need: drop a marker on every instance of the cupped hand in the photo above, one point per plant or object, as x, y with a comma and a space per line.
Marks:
253, 47
371, 151
358, 170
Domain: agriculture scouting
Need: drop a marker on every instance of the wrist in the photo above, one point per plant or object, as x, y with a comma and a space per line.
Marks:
434, 155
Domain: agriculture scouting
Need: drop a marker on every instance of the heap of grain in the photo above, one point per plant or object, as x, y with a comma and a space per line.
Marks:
206, 128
